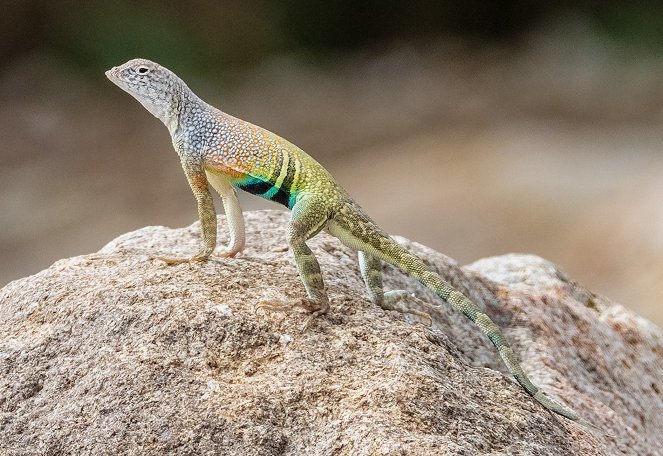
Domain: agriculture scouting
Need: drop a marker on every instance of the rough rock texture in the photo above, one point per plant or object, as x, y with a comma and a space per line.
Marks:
113, 353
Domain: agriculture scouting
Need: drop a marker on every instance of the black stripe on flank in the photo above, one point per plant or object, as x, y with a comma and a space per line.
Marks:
277, 169
282, 197
260, 188
256, 187
289, 177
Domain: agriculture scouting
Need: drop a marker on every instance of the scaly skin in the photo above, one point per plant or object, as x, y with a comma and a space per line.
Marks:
218, 149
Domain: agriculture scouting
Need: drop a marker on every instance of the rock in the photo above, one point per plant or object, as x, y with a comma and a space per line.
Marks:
114, 353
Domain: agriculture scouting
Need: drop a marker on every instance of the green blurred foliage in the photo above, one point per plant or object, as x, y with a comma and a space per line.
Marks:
109, 33
94, 34
348, 24
207, 35
635, 26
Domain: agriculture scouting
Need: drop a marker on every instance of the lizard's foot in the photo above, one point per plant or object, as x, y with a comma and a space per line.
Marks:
173, 261
315, 307
228, 253
398, 300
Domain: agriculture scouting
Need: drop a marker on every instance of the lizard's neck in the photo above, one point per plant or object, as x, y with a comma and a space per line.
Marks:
165, 108
188, 125
188, 110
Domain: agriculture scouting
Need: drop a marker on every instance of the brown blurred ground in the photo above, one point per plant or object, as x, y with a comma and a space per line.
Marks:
553, 149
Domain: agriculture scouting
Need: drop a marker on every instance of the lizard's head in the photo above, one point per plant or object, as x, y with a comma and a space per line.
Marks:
157, 88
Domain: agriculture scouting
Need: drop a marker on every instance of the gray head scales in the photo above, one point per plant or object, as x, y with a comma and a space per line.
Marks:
157, 88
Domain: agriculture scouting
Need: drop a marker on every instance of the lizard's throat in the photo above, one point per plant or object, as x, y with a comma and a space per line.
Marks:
165, 114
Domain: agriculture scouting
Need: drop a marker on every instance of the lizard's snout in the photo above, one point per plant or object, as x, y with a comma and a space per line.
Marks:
111, 73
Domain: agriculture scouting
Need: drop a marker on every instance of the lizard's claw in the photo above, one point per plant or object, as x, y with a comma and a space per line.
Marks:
316, 308
228, 253
398, 300
202, 256
275, 305
174, 261
170, 261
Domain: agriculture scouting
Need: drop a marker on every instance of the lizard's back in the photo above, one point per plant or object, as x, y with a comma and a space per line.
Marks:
264, 164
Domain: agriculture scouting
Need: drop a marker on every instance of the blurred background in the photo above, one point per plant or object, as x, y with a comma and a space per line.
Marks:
477, 128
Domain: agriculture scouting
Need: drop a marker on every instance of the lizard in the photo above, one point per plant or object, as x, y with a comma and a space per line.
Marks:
227, 153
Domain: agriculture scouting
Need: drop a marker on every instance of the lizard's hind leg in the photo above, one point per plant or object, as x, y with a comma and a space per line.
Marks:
309, 216
399, 300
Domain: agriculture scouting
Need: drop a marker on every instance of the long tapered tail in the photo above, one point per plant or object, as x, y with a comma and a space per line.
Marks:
358, 231
463, 304
391, 252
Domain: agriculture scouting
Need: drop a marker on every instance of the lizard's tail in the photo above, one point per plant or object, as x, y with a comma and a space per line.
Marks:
382, 246
413, 265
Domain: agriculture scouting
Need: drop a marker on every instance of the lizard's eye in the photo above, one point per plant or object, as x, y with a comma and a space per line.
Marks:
143, 70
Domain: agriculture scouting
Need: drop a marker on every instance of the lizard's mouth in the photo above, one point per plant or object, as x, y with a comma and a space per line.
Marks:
112, 73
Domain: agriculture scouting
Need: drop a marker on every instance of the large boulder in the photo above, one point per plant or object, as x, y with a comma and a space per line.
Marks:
115, 353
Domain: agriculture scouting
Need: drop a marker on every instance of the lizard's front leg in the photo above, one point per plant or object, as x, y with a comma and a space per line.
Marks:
234, 215
206, 213
309, 216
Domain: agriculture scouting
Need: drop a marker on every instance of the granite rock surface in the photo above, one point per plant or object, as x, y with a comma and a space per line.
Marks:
115, 353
